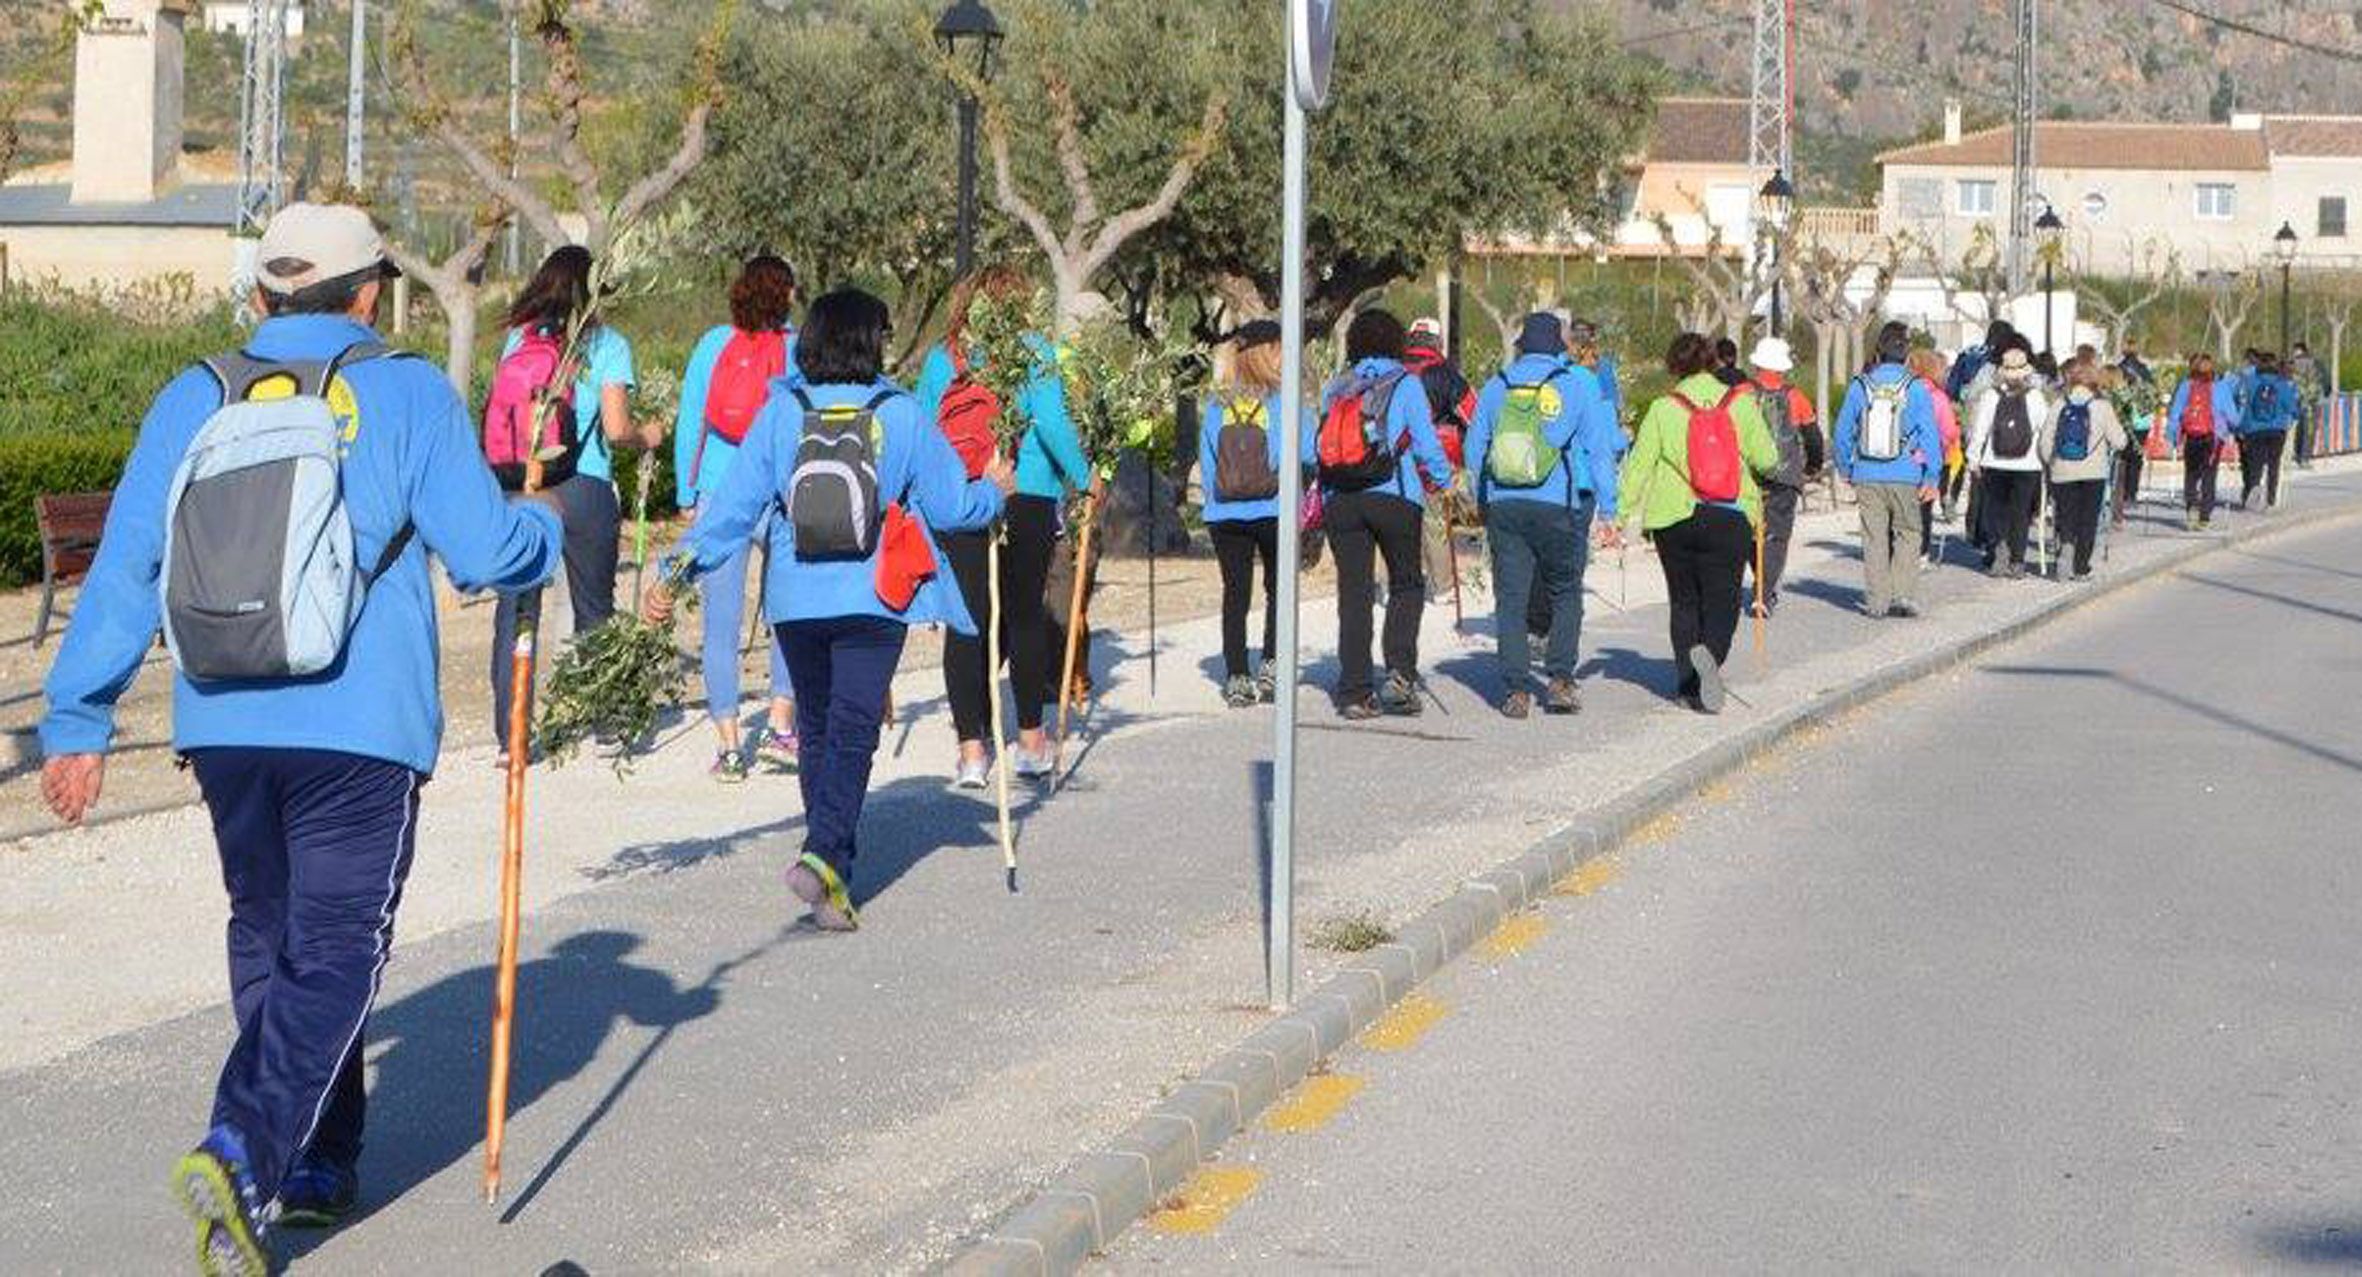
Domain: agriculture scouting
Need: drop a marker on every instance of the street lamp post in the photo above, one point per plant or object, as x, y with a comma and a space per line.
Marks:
1777, 200
2053, 235
968, 25
2284, 248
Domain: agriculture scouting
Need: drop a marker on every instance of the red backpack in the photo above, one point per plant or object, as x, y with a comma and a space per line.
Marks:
1714, 463
532, 377
969, 414
741, 382
1354, 451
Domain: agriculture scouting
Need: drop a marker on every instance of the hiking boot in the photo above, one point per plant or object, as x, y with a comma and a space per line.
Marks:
823, 892
1711, 691
973, 773
729, 767
317, 1194
1400, 697
1267, 682
776, 749
1562, 697
1239, 692
1360, 711
218, 1193
1517, 705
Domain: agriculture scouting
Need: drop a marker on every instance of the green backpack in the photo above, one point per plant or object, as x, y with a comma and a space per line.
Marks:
1521, 455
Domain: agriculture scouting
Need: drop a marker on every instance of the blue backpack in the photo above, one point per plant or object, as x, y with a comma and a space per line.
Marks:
2074, 439
2265, 410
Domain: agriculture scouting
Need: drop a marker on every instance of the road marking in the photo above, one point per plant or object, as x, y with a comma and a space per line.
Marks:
1313, 1105
1206, 1200
1401, 1028
1660, 829
1514, 936
1589, 877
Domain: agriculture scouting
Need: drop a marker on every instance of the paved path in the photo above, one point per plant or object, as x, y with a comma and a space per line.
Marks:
2052, 966
702, 1084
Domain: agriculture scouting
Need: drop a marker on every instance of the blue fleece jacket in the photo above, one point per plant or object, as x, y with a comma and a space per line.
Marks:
1582, 427
412, 458
1210, 423
916, 467
1050, 460
1408, 417
2224, 397
701, 458
1922, 462
2260, 412
1612, 388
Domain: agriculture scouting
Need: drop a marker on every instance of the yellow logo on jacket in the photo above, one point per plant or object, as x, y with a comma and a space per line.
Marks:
341, 404
1549, 402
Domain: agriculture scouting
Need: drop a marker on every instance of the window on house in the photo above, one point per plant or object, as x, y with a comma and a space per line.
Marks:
2217, 201
1920, 197
1977, 199
2332, 222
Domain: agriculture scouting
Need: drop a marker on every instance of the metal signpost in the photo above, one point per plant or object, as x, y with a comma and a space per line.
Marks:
1312, 42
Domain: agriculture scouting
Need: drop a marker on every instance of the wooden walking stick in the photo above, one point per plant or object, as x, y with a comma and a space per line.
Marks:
1760, 596
1074, 633
992, 665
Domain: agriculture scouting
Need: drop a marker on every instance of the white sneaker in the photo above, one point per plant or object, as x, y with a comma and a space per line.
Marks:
973, 773
1031, 765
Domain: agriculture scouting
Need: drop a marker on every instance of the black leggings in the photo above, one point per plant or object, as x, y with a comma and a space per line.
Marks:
1703, 556
1237, 545
1032, 524
2128, 476
2077, 504
2009, 500
1362, 526
2199, 456
2259, 465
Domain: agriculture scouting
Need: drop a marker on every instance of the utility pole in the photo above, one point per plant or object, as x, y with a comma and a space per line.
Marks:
356, 98
515, 249
260, 117
2021, 153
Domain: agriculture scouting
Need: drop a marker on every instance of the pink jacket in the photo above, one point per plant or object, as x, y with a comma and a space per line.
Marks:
1947, 419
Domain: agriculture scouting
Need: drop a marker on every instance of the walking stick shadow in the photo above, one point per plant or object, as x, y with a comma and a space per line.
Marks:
1627, 665
431, 1055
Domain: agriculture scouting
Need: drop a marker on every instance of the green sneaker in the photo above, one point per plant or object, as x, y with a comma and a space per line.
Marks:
218, 1193
819, 887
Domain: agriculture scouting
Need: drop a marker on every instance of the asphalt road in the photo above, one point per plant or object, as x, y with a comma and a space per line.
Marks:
2054, 965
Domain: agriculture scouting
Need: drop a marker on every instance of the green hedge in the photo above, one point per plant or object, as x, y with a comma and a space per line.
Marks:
74, 364
33, 465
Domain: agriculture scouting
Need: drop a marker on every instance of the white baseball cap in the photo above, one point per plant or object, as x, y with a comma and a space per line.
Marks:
1773, 355
308, 244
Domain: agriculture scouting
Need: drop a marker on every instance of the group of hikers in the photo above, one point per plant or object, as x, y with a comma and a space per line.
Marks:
306, 697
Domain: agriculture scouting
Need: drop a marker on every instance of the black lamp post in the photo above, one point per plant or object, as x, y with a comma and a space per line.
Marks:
968, 29
2284, 248
1777, 200
2053, 233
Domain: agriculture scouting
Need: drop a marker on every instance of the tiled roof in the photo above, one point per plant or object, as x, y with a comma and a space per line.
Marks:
2315, 136
2075, 144
1699, 131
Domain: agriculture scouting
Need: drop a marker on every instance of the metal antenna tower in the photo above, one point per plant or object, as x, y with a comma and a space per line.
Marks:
2021, 154
260, 116
1772, 104
356, 98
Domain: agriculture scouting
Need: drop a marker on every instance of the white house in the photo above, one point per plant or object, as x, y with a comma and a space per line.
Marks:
235, 17
1691, 177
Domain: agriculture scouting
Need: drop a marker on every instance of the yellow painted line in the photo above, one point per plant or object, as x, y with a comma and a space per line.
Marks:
1514, 936
1206, 1200
1312, 1105
1655, 831
1715, 791
1401, 1028
1590, 876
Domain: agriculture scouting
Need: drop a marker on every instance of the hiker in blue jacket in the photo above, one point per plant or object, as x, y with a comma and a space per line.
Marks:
1540, 532
2204, 412
762, 300
1368, 516
1050, 464
312, 782
841, 633
2273, 405
1243, 520
1892, 475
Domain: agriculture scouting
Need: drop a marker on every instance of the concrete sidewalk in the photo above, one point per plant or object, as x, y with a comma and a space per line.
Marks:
875, 1101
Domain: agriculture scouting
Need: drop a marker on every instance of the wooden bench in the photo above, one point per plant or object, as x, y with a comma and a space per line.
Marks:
70, 526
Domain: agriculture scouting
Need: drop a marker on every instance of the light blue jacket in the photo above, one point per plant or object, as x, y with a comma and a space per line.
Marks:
413, 458
1210, 421
1408, 416
701, 458
2225, 397
916, 467
1922, 462
2257, 418
1585, 433
1050, 461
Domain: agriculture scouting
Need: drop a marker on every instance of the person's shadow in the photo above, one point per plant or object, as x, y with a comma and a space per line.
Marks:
432, 1049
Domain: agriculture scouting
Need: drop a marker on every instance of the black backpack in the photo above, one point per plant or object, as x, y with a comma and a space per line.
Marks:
2013, 426
1777, 406
832, 493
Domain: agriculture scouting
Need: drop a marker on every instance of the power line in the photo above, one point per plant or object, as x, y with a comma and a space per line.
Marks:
2249, 29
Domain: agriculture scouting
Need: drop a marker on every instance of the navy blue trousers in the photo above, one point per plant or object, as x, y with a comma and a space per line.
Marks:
842, 668
314, 848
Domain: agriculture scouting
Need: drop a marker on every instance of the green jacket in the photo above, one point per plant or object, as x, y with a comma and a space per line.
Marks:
1655, 485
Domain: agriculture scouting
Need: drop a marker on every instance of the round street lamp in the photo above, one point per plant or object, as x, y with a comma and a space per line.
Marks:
2284, 248
1777, 200
968, 30
2053, 233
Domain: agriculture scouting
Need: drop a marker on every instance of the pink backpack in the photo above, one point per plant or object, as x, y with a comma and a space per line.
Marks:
532, 377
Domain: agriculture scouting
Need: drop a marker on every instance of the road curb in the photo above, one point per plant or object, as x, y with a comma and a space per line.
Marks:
1058, 1229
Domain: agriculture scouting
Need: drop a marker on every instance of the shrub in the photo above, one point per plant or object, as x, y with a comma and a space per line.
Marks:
76, 363
32, 465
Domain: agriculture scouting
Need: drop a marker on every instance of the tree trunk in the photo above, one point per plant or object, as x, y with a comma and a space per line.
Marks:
459, 350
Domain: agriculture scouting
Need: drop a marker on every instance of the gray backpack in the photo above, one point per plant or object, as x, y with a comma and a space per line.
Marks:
832, 493
259, 580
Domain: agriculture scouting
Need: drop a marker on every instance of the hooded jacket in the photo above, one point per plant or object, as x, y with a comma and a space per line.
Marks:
1980, 428
1583, 430
2107, 439
2224, 396
1921, 464
1422, 460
